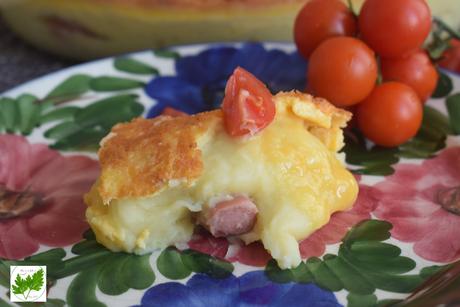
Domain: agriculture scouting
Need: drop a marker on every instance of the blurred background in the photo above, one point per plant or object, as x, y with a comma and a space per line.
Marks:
20, 62
41, 36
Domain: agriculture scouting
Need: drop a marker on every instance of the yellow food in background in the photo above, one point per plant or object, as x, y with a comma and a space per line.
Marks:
120, 27
84, 29
289, 169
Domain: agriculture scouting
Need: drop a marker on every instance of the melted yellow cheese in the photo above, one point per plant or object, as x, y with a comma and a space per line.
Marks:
293, 178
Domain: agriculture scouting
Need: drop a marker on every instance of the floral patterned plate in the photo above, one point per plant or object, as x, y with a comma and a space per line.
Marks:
398, 245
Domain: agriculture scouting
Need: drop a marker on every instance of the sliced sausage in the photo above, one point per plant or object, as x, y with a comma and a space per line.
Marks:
230, 217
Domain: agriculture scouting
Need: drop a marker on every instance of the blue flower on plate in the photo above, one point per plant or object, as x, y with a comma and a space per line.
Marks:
249, 290
200, 79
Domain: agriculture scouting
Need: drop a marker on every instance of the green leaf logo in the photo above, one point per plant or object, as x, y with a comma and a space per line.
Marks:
33, 282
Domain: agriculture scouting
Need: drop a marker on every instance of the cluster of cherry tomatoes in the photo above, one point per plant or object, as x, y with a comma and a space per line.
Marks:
372, 64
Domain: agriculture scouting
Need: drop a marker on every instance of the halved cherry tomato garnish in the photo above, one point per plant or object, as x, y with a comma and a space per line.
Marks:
248, 104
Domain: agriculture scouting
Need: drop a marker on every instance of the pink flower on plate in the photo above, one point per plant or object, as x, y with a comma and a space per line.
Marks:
40, 196
314, 246
423, 204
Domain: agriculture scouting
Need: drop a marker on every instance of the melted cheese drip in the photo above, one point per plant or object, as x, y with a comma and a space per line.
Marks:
294, 180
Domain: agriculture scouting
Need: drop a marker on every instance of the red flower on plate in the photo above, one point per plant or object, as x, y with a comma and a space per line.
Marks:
253, 254
314, 246
40, 196
423, 204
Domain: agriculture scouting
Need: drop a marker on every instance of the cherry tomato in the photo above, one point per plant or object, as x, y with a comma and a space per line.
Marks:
342, 70
391, 115
451, 57
394, 28
248, 105
319, 20
415, 70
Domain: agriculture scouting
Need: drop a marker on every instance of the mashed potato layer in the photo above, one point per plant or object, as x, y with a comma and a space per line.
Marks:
289, 170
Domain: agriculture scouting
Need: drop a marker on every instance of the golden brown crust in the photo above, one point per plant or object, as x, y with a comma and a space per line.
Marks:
141, 157
340, 115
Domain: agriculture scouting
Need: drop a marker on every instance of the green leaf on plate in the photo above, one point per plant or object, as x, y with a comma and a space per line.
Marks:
430, 138
50, 256
375, 160
93, 266
376, 170
71, 88
109, 111
203, 263
108, 84
363, 264
431, 270
373, 230
25, 113
134, 66
444, 86
453, 108
137, 272
275, 273
62, 130
357, 300
28, 113
109, 280
171, 265
323, 275
62, 113
118, 272
175, 264
4, 274
84, 140
9, 119
165, 53
83, 128
373, 248
82, 289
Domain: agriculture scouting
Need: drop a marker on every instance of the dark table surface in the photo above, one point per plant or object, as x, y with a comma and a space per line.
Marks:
20, 62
